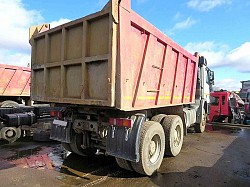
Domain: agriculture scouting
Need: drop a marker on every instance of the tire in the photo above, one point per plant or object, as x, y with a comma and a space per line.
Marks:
9, 103
158, 118
11, 134
173, 128
76, 148
67, 146
239, 117
41, 136
200, 127
125, 164
151, 148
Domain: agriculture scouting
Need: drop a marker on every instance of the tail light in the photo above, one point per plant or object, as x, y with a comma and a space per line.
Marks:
56, 114
122, 122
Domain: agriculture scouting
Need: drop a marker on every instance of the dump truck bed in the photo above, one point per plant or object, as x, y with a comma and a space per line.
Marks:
14, 80
112, 58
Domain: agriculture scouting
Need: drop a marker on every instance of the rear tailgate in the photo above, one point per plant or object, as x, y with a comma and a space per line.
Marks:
73, 63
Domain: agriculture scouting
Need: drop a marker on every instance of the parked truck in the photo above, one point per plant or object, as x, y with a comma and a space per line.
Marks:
225, 107
127, 89
14, 85
35, 121
245, 95
16, 113
244, 89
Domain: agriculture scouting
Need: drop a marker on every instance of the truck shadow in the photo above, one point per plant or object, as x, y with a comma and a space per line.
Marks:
204, 161
98, 165
231, 169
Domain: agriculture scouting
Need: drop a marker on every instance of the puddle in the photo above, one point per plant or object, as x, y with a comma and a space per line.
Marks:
24, 153
52, 156
243, 173
226, 130
32, 154
57, 155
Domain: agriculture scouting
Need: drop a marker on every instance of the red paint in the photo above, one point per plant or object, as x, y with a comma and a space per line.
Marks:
15, 80
39, 161
154, 71
221, 106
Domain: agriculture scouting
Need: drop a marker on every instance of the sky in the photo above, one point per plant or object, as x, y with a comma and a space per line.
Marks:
217, 29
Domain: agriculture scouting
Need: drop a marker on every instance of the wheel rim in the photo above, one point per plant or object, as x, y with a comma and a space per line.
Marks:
154, 148
177, 136
203, 123
10, 133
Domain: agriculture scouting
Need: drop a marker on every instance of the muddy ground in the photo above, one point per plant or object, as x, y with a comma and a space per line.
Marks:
213, 158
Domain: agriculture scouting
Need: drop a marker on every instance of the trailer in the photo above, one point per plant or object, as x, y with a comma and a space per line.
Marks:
17, 116
129, 90
14, 85
17, 122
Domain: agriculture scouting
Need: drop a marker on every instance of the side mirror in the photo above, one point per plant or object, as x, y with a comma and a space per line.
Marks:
210, 75
202, 61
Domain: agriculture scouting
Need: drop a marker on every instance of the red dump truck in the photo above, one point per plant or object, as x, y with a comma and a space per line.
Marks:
225, 107
16, 114
14, 85
127, 89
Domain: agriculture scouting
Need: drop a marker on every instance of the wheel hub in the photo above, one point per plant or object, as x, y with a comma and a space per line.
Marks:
203, 120
152, 147
9, 133
177, 136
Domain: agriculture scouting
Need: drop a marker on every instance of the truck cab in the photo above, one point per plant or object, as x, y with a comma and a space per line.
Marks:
224, 106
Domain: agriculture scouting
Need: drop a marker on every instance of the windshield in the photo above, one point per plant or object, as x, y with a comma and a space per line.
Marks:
214, 101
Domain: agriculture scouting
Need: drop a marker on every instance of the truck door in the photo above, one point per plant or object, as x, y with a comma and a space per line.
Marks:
214, 108
224, 103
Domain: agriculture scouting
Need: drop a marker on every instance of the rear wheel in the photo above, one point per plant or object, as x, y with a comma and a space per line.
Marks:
151, 148
10, 134
125, 164
200, 127
67, 146
76, 143
173, 128
41, 136
158, 118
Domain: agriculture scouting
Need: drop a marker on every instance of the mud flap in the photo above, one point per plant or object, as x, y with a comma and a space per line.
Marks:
61, 131
123, 142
